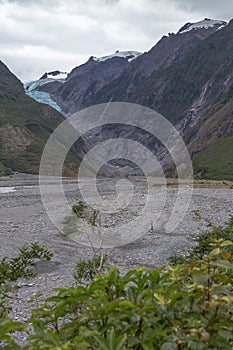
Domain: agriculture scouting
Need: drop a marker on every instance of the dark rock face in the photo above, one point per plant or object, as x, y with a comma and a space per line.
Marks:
196, 93
112, 79
187, 77
167, 51
85, 81
96, 82
51, 87
192, 88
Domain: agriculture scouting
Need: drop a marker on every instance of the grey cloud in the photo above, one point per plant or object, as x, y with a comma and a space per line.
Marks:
30, 2
52, 3
209, 8
74, 30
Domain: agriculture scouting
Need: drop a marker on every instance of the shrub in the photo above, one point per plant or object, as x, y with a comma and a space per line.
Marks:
204, 243
11, 269
85, 270
188, 306
78, 209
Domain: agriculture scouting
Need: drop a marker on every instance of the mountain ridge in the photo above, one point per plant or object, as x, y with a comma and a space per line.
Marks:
169, 49
25, 126
187, 77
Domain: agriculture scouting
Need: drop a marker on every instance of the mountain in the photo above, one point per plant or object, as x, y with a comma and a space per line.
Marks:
187, 77
194, 92
109, 78
82, 84
25, 126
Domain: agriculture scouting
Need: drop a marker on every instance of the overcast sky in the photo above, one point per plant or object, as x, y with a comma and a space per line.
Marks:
38, 36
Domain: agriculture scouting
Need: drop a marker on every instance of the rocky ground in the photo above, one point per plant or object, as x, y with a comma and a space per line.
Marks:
23, 219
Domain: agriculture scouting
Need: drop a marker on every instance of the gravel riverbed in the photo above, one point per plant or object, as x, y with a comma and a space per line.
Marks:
23, 219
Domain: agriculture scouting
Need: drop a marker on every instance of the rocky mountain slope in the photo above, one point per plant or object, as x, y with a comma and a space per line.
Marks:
187, 77
110, 77
25, 126
196, 94
78, 90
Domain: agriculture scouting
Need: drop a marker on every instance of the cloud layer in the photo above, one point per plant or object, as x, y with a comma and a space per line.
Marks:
40, 35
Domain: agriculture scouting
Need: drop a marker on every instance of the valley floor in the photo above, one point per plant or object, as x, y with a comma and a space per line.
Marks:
23, 219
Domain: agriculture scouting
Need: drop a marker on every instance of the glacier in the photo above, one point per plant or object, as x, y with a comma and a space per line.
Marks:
43, 97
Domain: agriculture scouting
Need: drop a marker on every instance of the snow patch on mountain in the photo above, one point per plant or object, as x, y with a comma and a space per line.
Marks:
205, 24
55, 75
130, 55
221, 27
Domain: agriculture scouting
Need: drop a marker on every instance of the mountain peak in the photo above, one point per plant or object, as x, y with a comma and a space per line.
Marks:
54, 75
204, 24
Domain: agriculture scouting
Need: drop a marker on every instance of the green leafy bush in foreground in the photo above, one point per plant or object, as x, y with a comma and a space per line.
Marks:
184, 306
204, 243
11, 269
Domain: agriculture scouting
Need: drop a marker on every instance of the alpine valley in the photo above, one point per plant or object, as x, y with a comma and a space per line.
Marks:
187, 77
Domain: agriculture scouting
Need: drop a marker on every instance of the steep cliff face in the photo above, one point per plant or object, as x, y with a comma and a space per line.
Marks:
195, 93
85, 81
169, 50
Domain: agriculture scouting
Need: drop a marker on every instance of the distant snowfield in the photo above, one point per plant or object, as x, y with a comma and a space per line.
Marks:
208, 23
131, 55
59, 76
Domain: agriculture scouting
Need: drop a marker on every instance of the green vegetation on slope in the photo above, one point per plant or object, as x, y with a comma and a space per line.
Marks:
25, 126
216, 163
